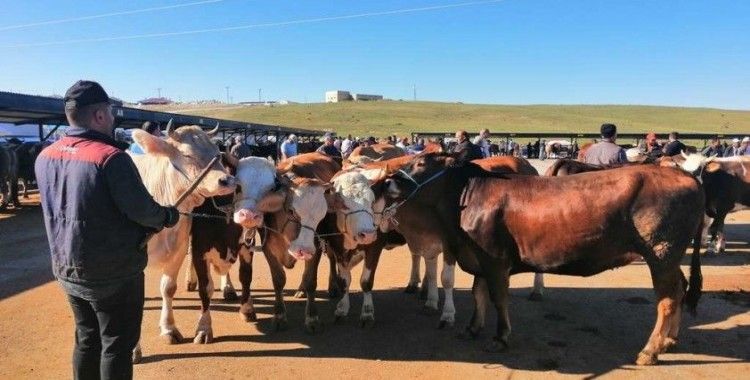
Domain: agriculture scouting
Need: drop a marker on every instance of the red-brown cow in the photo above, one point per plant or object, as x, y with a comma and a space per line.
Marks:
488, 225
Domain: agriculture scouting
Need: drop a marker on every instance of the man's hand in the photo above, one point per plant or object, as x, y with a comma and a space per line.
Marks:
173, 216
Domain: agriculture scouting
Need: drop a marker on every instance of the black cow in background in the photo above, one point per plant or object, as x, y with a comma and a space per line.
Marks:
8, 175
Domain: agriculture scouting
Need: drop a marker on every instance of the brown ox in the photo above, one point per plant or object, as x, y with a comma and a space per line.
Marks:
168, 168
375, 152
488, 225
426, 242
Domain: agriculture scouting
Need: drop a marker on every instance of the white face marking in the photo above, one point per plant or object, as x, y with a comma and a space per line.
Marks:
256, 177
693, 162
354, 189
309, 203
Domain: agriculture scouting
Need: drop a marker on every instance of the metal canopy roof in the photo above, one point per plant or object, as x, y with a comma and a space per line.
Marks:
33, 109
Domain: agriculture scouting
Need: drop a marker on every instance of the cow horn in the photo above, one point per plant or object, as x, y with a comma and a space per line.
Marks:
214, 131
171, 133
683, 154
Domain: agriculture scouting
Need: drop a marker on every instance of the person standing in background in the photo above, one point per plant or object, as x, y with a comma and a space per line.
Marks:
289, 147
674, 146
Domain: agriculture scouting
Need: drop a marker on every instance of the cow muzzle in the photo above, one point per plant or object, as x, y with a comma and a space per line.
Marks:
366, 237
247, 218
302, 254
392, 188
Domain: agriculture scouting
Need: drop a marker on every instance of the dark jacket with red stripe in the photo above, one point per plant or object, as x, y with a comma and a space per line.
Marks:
97, 211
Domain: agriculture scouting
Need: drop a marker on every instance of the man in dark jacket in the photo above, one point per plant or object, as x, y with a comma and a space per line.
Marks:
98, 216
674, 146
465, 147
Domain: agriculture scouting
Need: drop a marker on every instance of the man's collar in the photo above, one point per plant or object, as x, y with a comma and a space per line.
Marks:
95, 135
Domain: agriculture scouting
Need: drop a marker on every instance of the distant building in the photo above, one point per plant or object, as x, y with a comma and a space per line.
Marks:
337, 96
363, 97
154, 101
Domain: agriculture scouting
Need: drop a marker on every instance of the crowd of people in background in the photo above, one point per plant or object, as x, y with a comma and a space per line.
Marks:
602, 151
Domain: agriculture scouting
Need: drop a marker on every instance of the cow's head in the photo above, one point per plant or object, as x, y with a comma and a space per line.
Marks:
190, 151
258, 190
695, 163
305, 206
351, 200
422, 170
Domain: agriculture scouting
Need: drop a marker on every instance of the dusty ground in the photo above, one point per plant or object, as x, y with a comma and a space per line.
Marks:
584, 328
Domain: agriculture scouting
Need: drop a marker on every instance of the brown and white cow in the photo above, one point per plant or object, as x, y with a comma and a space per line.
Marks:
168, 168
223, 232
489, 224
293, 232
726, 182
375, 152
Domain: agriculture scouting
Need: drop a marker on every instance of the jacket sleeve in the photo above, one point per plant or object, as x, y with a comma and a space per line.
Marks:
130, 195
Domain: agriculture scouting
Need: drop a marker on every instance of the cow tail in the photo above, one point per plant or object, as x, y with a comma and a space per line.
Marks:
695, 286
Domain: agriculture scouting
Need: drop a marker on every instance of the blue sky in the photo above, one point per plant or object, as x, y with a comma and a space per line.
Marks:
686, 53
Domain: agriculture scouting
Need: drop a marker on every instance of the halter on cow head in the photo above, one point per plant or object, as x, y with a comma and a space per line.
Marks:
352, 200
258, 190
189, 151
695, 163
301, 209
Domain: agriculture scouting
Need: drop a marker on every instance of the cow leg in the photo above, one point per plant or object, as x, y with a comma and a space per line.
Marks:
25, 188
247, 310
414, 277
227, 288
168, 287
310, 281
497, 285
334, 290
720, 237
430, 283
447, 277
345, 274
191, 282
713, 231
278, 277
538, 292
203, 331
669, 286
481, 299
372, 257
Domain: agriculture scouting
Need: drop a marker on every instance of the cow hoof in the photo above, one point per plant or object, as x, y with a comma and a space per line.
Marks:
280, 323
646, 358
667, 344
300, 294
249, 317
192, 286
313, 325
496, 345
367, 321
230, 295
203, 337
172, 337
536, 297
468, 334
137, 356
445, 323
411, 289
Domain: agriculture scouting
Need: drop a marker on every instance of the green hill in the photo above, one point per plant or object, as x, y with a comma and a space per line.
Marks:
389, 117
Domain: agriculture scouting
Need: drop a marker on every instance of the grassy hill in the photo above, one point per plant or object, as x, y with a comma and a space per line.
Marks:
388, 117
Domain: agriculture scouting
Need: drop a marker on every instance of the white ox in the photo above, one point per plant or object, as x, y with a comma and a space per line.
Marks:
168, 168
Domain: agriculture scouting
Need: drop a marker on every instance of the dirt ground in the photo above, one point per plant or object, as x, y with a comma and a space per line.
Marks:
585, 327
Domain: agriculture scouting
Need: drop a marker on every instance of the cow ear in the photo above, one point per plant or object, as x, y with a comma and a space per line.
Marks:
334, 201
272, 202
712, 167
153, 145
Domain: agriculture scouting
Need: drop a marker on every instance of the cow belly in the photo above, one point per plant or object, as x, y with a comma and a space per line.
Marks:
590, 266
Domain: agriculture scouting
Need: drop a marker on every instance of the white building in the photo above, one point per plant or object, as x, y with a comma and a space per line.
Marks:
336, 96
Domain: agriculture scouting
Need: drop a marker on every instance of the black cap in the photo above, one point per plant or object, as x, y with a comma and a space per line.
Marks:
84, 93
608, 130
